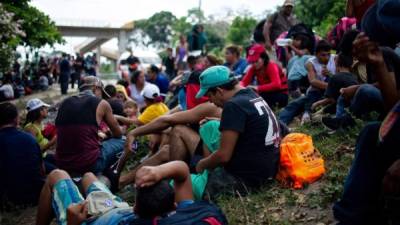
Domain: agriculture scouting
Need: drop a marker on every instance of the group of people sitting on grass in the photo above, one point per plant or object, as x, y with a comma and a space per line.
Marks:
222, 138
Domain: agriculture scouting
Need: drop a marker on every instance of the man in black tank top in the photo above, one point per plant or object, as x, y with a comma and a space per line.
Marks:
79, 148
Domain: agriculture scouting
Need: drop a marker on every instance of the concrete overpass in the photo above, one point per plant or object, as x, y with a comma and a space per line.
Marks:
97, 35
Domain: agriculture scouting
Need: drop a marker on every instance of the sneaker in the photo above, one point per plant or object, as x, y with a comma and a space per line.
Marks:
344, 122
331, 123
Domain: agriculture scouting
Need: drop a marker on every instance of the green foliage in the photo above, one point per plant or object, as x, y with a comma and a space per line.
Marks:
241, 30
320, 15
9, 31
216, 33
159, 28
37, 26
22, 24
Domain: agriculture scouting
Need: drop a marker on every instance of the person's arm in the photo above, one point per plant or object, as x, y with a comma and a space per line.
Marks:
272, 72
298, 52
223, 155
323, 102
191, 116
49, 144
350, 9
176, 170
312, 77
266, 32
175, 110
369, 52
246, 80
105, 111
128, 121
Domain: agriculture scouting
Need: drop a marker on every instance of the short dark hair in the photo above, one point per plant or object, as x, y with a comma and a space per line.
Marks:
323, 46
306, 43
111, 90
154, 69
228, 86
214, 60
123, 83
155, 200
346, 44
8, 113
135, 76
191, 60
235, 50
345, 61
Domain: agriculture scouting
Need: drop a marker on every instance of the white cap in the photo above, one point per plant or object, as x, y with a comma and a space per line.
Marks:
35, 103
151, 91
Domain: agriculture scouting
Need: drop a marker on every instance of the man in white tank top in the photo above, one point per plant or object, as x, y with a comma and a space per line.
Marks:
319, 68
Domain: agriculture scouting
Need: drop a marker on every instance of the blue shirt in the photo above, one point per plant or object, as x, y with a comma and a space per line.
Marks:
239, 68
162, 83
20, 166
296, 67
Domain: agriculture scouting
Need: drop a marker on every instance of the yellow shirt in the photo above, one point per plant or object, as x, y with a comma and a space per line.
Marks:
152, 112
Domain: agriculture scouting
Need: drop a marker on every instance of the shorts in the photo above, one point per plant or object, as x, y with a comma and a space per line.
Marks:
65, 193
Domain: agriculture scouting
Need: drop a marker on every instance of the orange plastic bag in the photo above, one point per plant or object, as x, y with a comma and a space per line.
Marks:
300, 162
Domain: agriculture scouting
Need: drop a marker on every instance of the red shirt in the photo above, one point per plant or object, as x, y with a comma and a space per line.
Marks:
270, 78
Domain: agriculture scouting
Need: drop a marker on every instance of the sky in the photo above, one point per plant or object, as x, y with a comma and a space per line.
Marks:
118, 12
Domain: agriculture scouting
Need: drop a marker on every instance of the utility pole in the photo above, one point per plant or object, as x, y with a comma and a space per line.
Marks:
199, 13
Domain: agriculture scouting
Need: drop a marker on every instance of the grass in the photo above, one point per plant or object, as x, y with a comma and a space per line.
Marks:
274, 204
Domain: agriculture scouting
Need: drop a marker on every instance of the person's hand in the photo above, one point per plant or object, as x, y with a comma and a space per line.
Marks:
205, 120
147, 176
77, 213
325, 72
254, 87
128, 143
200, 167
348, 92
102, 135
314, 106
391, 181
367, 51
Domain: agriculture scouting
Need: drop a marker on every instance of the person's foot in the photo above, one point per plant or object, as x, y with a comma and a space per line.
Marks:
344, 122
305, 118
331, 123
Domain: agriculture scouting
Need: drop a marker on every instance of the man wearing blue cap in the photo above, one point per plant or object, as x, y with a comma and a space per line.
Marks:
248, 150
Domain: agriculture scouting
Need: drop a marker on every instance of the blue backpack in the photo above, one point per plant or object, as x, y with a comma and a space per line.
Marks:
198, 213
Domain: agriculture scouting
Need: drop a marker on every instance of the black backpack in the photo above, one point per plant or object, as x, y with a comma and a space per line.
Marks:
198, 213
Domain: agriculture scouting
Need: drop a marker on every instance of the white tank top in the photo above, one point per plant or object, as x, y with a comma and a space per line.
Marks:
318, 66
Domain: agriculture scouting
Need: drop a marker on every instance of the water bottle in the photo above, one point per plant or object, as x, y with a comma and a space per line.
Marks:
282, 42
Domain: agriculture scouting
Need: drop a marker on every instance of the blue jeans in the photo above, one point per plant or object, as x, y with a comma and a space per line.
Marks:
108, 155
299, 105
360, 202
367, 99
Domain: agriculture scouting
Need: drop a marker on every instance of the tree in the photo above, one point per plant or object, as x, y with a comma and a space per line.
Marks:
37, 26
320, 15
216, 32
9, 31
241, 30
159, 28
